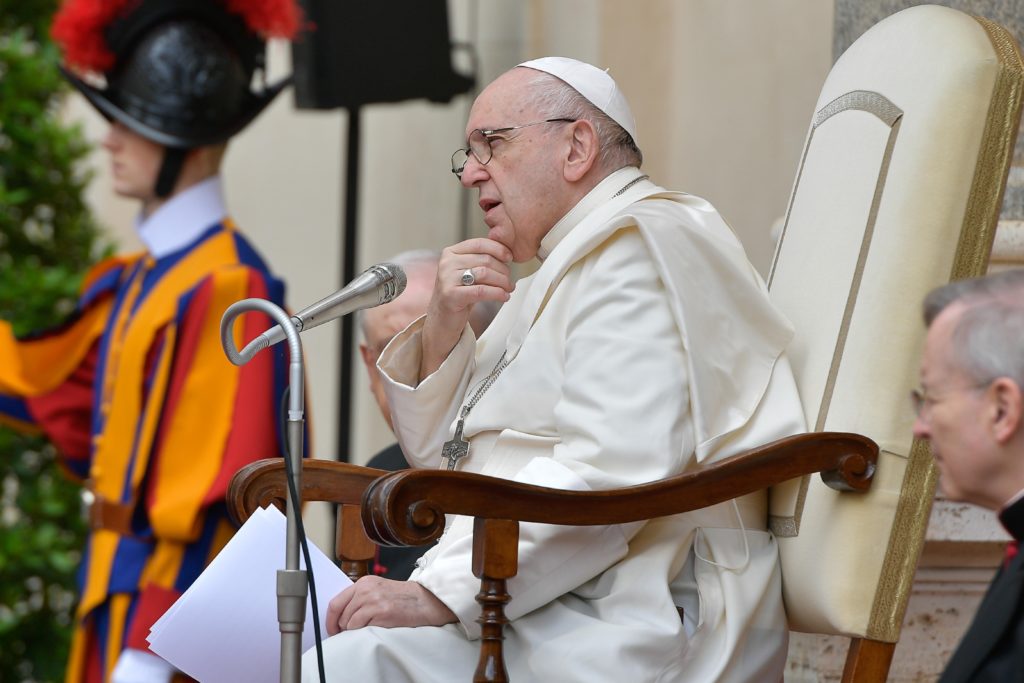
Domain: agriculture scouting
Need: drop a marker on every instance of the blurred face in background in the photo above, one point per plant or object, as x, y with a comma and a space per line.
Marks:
382, 323
134, 161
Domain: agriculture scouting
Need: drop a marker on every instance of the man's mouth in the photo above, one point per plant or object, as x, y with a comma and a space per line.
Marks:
488, 204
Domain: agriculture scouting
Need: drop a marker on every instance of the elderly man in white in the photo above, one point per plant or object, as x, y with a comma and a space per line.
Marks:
643, 346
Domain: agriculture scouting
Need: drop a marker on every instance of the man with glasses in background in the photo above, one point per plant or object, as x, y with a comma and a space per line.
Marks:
970, 408
643, 346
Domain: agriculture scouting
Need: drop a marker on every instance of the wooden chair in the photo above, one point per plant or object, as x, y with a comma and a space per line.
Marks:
898, 190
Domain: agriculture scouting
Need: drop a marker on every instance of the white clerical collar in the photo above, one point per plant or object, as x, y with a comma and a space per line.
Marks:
183, 218
612, 185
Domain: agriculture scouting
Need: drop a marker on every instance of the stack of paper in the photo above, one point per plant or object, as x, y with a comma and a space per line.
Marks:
224, 628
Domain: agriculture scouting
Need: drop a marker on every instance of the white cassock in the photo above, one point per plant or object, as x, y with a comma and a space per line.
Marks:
643, 346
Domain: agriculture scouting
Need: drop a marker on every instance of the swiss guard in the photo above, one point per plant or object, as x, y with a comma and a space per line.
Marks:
134, 389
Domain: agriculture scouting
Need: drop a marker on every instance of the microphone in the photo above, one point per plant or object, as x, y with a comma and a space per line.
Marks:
379, 284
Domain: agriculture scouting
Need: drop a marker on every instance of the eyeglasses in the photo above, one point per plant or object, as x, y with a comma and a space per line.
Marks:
921, 399
480, 144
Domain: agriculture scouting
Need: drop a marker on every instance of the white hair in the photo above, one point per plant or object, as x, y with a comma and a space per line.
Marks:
987, 336
554, 98
416, 257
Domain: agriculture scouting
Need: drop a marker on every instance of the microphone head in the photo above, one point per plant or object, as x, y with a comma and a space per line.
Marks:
392, 281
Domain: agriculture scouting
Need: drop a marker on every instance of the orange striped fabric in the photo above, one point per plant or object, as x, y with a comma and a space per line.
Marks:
171, 421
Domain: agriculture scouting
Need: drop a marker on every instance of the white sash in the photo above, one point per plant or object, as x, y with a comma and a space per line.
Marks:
731, 332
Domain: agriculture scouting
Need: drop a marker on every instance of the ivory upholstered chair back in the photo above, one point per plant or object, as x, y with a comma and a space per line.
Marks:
898, 191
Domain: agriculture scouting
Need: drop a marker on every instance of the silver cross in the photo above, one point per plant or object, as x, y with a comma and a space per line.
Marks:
456, 448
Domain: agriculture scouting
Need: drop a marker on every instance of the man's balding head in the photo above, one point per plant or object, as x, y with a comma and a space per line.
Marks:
970, 406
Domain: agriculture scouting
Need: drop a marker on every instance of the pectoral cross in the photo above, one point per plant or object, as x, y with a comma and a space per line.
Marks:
457, 447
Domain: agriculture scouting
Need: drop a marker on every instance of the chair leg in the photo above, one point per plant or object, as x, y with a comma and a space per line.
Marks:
353, 548
495, 559
867, 661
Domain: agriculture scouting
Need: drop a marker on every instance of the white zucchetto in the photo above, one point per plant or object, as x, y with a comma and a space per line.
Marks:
594, 84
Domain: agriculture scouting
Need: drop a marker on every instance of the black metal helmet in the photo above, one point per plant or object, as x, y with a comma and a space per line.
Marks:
177, 72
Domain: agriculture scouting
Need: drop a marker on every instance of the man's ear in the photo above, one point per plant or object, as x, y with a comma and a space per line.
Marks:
369, 360
1007, 405
583, 150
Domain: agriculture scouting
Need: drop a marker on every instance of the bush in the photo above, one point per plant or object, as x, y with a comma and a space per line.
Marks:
47, 240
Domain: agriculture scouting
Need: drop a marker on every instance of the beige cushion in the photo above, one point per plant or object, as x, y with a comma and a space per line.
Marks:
898, 189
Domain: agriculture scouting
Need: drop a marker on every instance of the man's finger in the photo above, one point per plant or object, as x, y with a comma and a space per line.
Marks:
486, 276
358, 619
482, 245
335, 608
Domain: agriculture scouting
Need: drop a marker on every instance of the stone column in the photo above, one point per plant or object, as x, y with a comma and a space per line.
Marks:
964, 544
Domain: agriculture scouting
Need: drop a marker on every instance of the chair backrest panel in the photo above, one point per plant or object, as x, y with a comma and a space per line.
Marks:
898, 190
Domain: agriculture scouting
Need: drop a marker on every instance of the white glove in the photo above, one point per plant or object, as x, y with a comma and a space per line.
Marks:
139, 666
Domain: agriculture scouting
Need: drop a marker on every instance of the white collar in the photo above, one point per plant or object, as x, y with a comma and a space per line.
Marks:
612, 184
183, 218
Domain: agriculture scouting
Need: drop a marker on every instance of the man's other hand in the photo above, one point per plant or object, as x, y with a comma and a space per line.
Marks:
373, 601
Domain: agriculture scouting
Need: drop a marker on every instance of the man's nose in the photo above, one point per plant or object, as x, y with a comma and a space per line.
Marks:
921, 430
112, 138
473, 172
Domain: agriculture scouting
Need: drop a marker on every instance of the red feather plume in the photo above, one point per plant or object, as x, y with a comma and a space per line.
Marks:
78, 29
268, 18
79, 24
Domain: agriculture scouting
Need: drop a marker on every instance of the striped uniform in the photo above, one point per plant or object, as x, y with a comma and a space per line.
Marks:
142, 403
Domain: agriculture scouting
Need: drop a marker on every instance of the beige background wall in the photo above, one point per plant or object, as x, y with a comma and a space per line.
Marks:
723, 92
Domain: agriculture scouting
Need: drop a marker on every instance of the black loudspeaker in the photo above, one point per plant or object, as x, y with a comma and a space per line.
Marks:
358, 52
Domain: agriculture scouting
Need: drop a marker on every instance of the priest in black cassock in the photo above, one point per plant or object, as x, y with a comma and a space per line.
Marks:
970, 407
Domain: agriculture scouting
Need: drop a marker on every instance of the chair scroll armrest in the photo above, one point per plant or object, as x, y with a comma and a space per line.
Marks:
409, 507
262, 482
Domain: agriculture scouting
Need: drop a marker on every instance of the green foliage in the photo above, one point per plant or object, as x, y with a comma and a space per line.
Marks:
31, 15
41, 536
47, 240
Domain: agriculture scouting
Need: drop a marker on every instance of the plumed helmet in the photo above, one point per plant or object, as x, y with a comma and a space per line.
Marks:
178, 72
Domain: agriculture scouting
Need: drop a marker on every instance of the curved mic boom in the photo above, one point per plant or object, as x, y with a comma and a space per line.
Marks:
379, 284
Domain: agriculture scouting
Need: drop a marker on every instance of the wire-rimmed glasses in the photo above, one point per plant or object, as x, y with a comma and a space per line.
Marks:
480, 144
921, 399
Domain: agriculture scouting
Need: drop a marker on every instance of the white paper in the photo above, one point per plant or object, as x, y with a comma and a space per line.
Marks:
224, 628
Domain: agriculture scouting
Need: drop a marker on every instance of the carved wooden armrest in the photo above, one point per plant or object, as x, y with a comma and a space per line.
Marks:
263, 482
409, 508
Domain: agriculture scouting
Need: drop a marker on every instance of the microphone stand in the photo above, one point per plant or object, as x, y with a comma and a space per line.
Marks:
291, 581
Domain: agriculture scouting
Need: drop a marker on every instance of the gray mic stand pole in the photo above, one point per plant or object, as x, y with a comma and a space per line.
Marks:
291, 581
